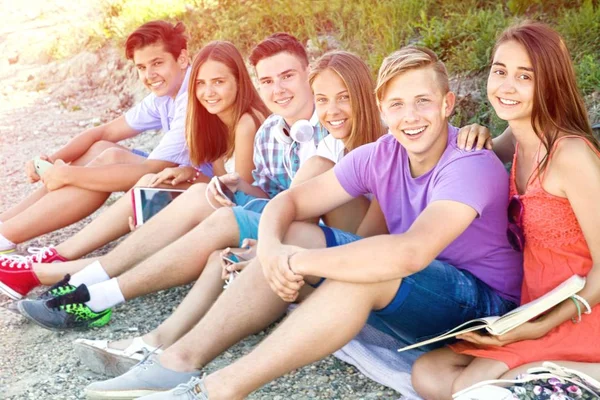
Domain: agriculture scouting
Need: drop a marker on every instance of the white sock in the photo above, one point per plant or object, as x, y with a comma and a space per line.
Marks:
90, 275
6, 244
105, 295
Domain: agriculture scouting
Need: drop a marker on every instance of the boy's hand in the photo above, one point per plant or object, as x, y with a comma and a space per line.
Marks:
282, 280
474, 134
55, 177
30, 168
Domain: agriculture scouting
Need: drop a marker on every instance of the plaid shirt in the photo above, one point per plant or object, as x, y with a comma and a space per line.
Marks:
270, 173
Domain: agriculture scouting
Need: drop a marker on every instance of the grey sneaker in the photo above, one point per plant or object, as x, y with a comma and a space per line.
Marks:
192, 390
147, 377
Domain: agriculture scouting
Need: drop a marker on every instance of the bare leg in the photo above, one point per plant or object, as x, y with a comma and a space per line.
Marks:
193, 307
182, 261
434, 373
110, 225
246, 307
57, 209
92, 153
323, 323
591, 369
49, 274
480, 369
174, 221
347, 217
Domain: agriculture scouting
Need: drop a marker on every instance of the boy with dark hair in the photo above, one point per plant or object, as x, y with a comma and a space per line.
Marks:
92, 165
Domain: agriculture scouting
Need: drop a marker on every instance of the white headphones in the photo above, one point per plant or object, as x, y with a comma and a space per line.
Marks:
301, 131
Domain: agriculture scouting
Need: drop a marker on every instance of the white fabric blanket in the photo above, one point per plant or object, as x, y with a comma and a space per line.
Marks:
374, 354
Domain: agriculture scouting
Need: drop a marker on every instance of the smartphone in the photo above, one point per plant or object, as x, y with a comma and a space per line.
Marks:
224, 190
41, 165
147, 202
234, 256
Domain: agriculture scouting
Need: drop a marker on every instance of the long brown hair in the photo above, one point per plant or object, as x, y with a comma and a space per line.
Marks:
208, 137
366, 121
558, 107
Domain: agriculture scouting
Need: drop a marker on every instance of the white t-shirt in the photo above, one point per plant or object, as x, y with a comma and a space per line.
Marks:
169, 115
230, 165
331, 148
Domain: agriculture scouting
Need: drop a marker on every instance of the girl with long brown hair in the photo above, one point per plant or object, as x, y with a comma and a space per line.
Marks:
554, 187
224, 112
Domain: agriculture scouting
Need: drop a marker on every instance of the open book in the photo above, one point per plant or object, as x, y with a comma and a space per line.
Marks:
514, 318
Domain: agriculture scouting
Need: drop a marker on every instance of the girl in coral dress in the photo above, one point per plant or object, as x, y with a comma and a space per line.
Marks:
555, 190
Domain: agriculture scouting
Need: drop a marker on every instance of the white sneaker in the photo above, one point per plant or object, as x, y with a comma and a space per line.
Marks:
97, 356
6, 246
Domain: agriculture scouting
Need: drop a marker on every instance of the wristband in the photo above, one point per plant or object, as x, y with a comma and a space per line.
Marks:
588, 309
195, 177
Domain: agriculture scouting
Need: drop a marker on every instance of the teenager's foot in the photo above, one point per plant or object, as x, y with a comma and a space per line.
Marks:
45, 255
67, 311
113, 358
60, 288
145, 378
193, 389
6, 246
16, 277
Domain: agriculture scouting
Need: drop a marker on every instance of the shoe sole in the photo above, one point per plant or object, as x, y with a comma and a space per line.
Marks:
103, 362
9, 292
119, 394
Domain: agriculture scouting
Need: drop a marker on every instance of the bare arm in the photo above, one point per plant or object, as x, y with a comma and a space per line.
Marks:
372, 260
244, 148
113, 131
109, 178
298, 204
504, 146
374, 221
580, 182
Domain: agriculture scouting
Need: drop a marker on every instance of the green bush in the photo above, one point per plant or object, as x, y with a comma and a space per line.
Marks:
461, 32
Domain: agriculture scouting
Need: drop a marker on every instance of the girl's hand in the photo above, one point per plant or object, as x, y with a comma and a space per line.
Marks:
55, 177
474, 134
30, 169
173, 176
231, 181
527, 331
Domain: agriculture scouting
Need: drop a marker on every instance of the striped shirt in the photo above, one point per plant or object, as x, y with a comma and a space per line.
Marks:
275, 162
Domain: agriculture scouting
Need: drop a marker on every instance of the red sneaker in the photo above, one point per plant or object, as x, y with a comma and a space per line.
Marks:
16, 277
44, 255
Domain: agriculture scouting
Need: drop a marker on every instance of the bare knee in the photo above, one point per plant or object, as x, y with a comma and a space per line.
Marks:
423, 377
113, 155
145, 180
312, 167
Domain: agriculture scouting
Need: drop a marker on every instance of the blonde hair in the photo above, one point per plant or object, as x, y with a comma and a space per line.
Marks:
406, 59
366, 122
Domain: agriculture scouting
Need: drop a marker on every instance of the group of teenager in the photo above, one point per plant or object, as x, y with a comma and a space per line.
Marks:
356, 199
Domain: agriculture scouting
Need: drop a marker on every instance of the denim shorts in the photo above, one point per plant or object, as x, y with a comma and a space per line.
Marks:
432, 301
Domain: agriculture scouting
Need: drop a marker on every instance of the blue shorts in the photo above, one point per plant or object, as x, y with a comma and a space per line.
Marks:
432, 301
247, 214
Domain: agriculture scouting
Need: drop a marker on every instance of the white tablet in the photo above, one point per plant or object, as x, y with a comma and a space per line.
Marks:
149, 201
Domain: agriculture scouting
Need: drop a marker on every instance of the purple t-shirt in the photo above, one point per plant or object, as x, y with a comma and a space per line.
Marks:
477, 179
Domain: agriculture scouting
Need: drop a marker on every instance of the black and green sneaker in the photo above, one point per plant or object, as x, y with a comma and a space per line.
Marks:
64, 312
58, 289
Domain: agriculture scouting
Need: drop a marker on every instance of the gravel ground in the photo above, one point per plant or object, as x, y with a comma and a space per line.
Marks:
42, 105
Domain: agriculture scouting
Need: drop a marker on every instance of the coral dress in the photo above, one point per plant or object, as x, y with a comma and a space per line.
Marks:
555, 250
